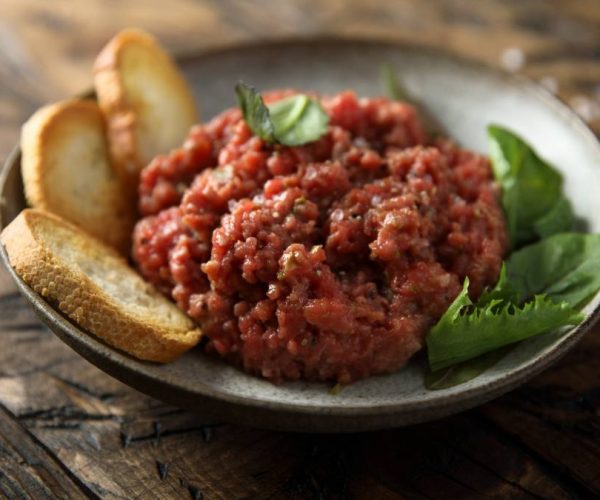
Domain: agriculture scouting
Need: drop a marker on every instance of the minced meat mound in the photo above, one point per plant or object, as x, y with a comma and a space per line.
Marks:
328, 261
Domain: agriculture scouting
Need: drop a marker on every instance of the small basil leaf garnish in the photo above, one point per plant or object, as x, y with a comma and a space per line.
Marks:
255, 112
531, 187
298, 120
291, 121
286, 112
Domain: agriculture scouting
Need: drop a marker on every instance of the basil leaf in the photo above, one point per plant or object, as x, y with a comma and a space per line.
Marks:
463, 372
558, 220
254, 111
298, 120
286, 112
466, 331
394, 89
292, 121
565, 267
530, 186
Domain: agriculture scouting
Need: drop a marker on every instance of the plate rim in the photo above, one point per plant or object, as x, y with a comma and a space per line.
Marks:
122, 366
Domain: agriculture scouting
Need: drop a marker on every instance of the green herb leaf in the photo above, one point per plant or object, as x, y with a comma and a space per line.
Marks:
393, 88
466, 331
463, 372
292, 121
504, 291
530, 187
286, 112
558, 220
298, 120
565, 267
254, 111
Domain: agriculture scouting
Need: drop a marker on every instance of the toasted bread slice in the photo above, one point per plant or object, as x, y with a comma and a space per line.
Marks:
93, 285
66, 170
148, 105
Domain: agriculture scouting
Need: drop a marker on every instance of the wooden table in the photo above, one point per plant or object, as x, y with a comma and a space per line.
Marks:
69, 430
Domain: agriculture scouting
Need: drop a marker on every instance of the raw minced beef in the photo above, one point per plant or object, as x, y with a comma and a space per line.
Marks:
328, 261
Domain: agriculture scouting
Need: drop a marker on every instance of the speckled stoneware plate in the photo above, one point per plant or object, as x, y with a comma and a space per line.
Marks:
465, 97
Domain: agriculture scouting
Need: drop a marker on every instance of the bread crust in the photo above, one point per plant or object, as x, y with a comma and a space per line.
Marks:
123, 110
49, 161
65, 284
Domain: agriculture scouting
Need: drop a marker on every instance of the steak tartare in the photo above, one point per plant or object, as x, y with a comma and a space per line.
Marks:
327, 261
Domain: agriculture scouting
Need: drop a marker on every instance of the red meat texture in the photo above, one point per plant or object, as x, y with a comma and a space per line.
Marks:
328, 261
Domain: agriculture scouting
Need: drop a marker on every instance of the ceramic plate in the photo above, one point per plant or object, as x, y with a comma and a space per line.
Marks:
464, 97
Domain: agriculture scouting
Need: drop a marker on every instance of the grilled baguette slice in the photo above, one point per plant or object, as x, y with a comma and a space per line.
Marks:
66, 170
93, 285
147, 103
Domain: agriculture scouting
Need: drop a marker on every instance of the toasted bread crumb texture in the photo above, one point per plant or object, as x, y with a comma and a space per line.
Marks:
94, 286
66, 170
147, 102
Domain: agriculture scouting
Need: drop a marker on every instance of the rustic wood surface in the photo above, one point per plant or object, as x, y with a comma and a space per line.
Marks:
68, 430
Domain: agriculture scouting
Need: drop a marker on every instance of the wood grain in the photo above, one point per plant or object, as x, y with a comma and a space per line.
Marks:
27, 469
69, 430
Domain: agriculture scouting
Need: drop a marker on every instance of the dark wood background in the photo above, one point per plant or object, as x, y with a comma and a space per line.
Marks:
68, 430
